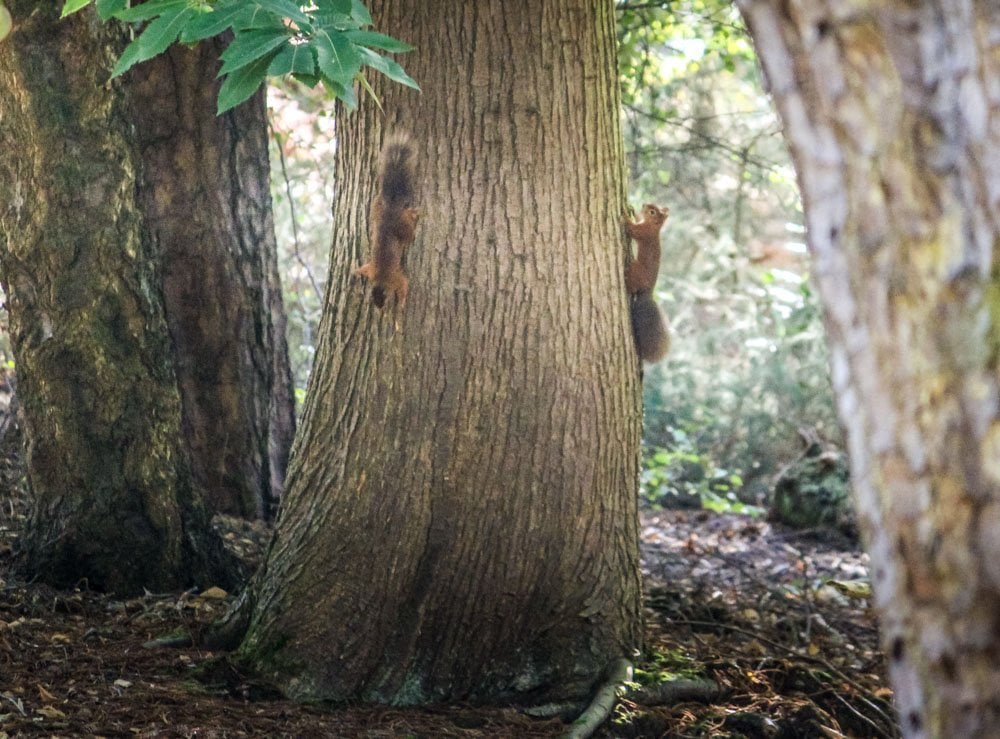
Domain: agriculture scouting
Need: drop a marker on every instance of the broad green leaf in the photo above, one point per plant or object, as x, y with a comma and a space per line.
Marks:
107, 8
309, 80
6, 22
335, 6
284, 8
329, 21
360, 13
388, 67
233, 15
151, 9
377, 40
69, 7
249, 46
338, 59
159, 34
297, 59
342, 92
243, 82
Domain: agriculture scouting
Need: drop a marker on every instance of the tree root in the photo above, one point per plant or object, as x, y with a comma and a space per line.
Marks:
224, 634
676, 691
617, 675
618, 683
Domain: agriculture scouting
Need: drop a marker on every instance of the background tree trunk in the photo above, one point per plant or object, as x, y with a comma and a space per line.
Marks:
207, 198
893, 118
113, 500
460, 520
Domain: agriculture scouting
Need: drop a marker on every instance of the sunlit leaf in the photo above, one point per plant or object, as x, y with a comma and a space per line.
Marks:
249, 46
158, 35
107, 8
151, 9
360, 13
377, 40
297, 59
237, 16
338, 59
388, 67
284, 8
69, 7
243, 82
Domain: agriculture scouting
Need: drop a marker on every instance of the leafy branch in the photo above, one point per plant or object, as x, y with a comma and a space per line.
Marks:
326, 41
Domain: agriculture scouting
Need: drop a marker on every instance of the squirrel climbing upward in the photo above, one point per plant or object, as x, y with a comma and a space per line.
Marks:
392, 223
652, 337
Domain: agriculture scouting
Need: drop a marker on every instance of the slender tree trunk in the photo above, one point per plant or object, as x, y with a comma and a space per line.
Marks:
892, 113
113, 499
460, 520
206, 193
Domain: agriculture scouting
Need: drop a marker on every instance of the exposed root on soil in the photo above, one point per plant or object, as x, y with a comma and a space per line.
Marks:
617, 677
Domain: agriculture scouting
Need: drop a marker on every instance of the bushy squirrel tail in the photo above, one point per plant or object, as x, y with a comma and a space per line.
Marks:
396, 171
652, 337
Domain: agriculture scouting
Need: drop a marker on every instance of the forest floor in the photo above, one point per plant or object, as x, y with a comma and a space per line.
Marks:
757, 608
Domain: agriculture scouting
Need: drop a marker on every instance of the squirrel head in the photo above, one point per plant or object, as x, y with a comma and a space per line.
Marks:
650, 213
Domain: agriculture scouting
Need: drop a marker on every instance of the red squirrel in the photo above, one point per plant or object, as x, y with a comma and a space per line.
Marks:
392, 223
652, 337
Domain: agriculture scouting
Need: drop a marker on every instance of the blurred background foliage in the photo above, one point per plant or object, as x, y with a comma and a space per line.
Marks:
746, 381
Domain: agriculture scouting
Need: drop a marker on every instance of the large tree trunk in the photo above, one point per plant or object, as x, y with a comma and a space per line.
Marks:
892, 112
113, 499
460, 520
207, 199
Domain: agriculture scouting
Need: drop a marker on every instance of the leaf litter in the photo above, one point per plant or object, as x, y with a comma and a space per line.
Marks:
780, 620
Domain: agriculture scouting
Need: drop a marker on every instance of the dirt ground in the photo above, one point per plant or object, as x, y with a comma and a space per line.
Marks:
777, 619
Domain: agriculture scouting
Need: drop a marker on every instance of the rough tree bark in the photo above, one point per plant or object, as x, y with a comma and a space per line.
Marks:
113, 499
460, 519
206, 195
892, 113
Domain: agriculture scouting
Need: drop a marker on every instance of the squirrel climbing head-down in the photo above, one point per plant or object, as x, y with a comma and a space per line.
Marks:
392, 223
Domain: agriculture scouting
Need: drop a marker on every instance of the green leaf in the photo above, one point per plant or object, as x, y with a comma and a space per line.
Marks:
309, 80
107, 8
297, 59
243, 82
342, 92
334, 23
360, 13
377, 40
335, 6
159, 34
151, 9
284, 9
249, 46
338, 59
388, 67
233, 15
69, 7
